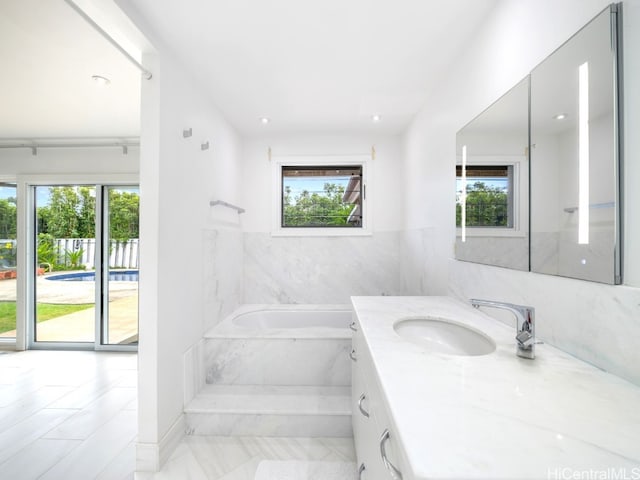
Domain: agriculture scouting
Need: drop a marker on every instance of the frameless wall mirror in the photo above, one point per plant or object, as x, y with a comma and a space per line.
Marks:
492, 183
575, 175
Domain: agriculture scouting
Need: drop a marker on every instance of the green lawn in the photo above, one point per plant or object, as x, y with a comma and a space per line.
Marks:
46, 311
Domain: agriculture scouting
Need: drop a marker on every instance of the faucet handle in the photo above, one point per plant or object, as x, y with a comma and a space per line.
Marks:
525, 339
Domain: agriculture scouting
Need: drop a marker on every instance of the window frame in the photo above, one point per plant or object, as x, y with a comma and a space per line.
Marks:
319, 161
519, 197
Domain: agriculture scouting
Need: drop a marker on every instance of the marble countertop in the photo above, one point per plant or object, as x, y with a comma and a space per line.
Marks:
498, 416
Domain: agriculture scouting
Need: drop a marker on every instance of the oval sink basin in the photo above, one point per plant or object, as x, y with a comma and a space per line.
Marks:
444, 336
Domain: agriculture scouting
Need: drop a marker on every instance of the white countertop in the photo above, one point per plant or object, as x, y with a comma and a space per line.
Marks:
498, 416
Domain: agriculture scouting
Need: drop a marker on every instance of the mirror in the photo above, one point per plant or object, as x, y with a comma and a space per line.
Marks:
492, 183
575, 202
569, 224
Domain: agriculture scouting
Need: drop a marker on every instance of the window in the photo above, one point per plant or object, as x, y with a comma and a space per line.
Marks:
327, 196
490, 197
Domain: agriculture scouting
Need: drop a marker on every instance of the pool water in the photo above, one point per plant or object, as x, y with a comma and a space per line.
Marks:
114, 276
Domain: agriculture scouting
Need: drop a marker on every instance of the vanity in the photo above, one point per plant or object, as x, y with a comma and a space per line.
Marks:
422, 412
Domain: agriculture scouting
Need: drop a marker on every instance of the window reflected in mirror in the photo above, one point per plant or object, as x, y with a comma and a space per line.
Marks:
492, 183
489, 196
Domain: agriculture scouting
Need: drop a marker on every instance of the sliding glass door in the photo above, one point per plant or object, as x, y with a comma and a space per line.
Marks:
120, 305
85, 284
8, 260
65, 293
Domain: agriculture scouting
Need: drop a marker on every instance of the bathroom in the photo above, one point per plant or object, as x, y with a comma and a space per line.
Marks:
407, 248
407, 254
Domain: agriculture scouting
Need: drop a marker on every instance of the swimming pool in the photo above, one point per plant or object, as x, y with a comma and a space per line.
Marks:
114, 276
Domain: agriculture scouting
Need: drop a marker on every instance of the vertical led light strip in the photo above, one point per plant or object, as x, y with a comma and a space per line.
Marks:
463, 216
583, 154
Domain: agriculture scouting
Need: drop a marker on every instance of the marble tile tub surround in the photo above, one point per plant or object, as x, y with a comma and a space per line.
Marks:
597, 323
318, 270
236, 355
278, 361
496, 415
222, 263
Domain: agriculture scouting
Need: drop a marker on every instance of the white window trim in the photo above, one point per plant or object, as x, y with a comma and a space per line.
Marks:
520, 198
319, 160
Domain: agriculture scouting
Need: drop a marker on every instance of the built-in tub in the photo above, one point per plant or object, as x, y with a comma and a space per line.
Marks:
281, 345
283, 319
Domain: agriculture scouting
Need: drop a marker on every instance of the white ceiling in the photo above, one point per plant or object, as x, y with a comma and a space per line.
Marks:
321, 66
49, 54
316, 66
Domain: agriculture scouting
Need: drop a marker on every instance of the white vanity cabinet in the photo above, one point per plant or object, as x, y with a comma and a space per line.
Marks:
465, 416
370, 421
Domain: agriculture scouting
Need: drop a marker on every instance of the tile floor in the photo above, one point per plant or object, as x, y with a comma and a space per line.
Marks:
72, 415
237, 458
67, 415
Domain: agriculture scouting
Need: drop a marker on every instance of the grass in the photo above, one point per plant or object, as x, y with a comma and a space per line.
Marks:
46, 311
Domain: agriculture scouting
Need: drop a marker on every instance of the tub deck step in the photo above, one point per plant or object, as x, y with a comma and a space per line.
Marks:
271, 410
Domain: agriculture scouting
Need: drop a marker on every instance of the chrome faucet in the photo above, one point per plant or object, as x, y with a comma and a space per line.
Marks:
525, 326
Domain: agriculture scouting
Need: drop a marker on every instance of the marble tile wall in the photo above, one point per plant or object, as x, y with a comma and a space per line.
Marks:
222, 263
597, 323
423, 266
319, 270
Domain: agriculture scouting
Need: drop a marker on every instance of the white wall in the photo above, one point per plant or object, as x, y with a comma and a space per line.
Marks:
181, 294
602, 327
321, 269
60, 161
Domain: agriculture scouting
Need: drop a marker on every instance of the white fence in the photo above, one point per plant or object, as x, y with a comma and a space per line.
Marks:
121, 254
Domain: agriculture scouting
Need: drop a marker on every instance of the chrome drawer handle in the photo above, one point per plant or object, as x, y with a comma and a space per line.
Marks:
362, 410
360, 470
395, 473
352, 355
352, 326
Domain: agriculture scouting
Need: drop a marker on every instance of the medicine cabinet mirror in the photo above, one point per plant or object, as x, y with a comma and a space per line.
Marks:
492, 183
575, 204
553, 208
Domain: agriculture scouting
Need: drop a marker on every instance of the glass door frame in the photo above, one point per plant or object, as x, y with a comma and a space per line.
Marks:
27, 232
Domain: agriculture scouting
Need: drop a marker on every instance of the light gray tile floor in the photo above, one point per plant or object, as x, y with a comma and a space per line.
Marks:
67, 415
72, 415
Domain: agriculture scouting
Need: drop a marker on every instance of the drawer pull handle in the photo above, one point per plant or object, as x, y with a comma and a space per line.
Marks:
360, 470
352, 326
362, 410
395, 473
352, 355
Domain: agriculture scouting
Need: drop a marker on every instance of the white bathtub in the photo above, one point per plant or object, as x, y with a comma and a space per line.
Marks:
268, 319
285, 321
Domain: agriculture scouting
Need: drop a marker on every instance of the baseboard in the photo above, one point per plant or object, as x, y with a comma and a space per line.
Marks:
150, 457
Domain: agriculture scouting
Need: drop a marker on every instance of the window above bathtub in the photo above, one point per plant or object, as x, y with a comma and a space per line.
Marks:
320, 196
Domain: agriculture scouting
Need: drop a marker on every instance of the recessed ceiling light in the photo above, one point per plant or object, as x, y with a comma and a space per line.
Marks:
100, 80
560, 116
264, 120
375, 118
